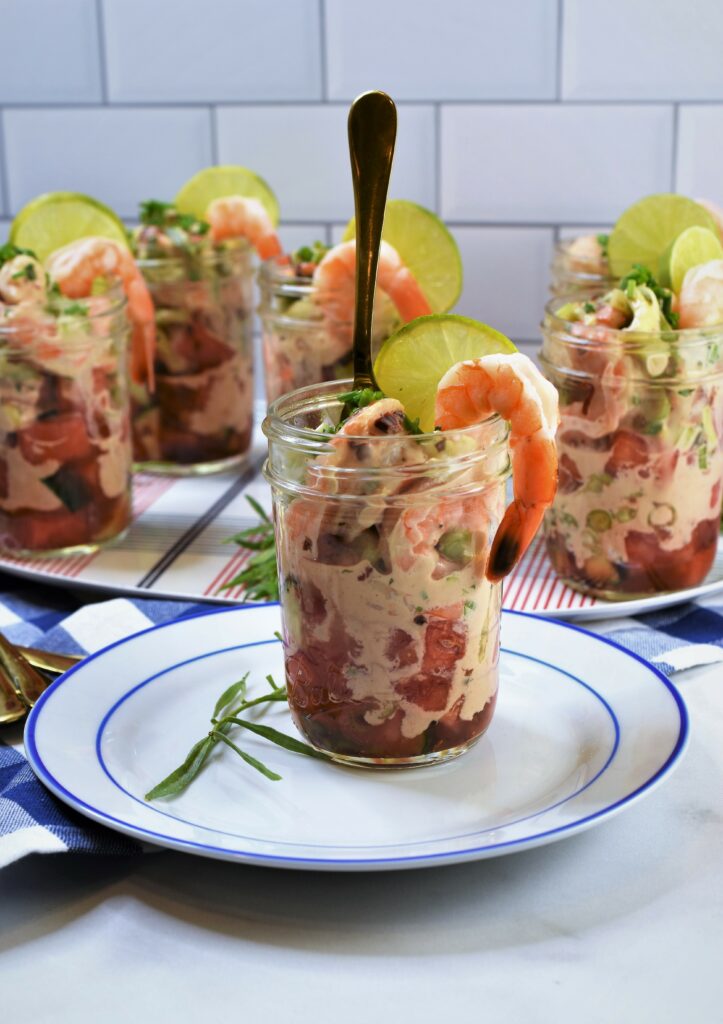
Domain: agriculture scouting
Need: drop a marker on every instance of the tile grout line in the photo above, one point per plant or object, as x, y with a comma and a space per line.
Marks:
160, 103
102, 54
438, 159
4, 169
560, 38
674, 147
213, 115
323, 54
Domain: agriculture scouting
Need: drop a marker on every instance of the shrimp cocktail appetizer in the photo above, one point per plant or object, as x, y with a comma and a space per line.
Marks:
583, 266
196, 256
307, 298
640, 375
65, 449
392, 538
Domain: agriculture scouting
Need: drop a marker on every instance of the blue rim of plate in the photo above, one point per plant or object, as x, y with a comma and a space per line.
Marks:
242, 856
356, 846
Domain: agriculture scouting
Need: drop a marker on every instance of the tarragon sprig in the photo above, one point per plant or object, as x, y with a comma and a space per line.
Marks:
259, 576
230, 706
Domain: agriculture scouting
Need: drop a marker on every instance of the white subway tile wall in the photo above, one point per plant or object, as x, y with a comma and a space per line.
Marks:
519, 122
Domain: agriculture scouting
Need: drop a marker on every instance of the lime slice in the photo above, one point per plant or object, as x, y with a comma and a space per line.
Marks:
646, 231
54, 219
693, 247
412, 362
212, 183
426, 247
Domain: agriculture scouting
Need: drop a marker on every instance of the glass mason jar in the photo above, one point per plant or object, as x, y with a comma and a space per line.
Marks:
573, 275
65, 447
199, 419
640, 449
301, 346
390, 628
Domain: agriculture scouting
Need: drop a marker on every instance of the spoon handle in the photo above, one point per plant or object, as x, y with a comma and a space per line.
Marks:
372, 132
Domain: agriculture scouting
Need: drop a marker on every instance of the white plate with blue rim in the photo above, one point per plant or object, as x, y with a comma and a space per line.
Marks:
583, 729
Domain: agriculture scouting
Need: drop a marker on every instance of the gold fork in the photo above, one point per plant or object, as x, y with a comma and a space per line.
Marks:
20, 683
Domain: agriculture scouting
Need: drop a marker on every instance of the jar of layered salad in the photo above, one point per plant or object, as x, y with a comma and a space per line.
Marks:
641, 438
199, 416
307, 320
580, 266
390, 626
65, 447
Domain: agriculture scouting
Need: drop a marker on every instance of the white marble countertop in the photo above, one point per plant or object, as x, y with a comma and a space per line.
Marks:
623, 923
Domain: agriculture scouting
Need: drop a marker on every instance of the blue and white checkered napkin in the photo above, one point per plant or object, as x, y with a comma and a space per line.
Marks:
33, 821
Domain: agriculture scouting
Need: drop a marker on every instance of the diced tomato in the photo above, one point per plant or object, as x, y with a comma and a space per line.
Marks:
59, 438
629, 450
569, 477
671, 570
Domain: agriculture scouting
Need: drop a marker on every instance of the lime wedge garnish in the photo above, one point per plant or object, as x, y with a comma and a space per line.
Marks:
426, 247
199, 192
646, 231
54, 219
693, 247
412, 362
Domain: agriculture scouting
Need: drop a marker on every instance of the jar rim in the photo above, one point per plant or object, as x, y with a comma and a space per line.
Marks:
273, 273
681, 335
234, 246
116, 303
305, 399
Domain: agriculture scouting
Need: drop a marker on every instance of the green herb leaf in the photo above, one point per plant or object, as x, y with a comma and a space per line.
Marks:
281, 739
602, 241
640, 275
259, 577
258, 765
9, 252
237, 689
184, 775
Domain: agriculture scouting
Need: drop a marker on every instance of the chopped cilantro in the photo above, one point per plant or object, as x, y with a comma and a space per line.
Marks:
412, 426
75, 309
9, 252
640, 275
602, 241
28, 272
589, 307
154, 212
359, 399
310, 253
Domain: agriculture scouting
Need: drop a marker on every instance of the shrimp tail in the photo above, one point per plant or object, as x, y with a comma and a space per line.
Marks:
514, 535
269, 247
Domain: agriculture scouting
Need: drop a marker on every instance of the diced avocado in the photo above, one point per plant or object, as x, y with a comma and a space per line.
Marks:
456, 546
625, 514
709, 427
646, 310
571, 312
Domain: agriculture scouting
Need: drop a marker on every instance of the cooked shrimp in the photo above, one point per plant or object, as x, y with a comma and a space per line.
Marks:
22, 279
513, 387
700, 303
77, 265
242, 217
334, 281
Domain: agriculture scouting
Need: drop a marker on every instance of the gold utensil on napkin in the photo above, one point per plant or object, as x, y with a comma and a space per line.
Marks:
20, 683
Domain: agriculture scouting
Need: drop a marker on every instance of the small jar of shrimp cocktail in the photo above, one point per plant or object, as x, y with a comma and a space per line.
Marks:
640, 376
197, 258
65, 449
580, 266
392, 539
307, 297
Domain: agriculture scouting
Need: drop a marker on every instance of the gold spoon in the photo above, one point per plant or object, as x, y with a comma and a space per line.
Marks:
20, 684
372, 133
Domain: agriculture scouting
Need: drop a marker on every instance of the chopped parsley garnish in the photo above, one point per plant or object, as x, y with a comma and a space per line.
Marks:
9, 252
641, 276
412, 426
359, 399
155, 213
28, 272
310, 253
602, 241
75, 309
589, 307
